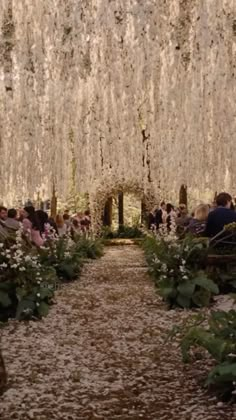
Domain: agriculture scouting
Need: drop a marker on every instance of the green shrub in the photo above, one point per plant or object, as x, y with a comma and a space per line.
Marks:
29, 276
219, 339
129, 232
107, 233
177, 267
26, 286
60, 254
123, 232
88, 247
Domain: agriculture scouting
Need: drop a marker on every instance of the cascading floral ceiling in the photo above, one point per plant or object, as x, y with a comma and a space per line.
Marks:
120, 90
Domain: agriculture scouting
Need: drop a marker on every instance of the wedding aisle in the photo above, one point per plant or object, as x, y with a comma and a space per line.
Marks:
101, 353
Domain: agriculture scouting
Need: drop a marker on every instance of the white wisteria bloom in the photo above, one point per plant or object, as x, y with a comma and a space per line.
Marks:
4, 265
14, 266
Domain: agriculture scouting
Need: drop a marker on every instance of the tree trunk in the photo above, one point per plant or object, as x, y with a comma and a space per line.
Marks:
107, 217
54, 203
121, 209
183, 195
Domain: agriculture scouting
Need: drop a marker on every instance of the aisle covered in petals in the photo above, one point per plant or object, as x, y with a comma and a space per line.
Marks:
101, 353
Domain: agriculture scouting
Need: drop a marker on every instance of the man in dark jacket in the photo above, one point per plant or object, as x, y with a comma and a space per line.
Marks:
3, 213
159, 215
11, 222
221, 216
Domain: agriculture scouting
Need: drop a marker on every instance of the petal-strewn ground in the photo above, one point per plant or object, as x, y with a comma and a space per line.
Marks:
100, 354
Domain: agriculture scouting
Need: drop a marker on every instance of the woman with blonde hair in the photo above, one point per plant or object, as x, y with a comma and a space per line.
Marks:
61, 225
197, 225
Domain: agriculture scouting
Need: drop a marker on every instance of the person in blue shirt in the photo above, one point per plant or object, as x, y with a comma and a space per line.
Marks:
221, 216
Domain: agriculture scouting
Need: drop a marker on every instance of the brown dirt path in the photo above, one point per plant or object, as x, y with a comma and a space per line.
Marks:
100, 354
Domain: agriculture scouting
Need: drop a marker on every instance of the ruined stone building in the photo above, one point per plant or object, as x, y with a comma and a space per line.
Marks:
117, 94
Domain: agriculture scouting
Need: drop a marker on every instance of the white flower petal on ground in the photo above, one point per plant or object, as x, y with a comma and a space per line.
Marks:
101, 353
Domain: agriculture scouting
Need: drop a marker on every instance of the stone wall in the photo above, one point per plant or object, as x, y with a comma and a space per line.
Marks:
134, 91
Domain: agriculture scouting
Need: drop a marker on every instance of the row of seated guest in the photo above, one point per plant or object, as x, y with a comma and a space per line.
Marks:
31, 220
76, 224
166, 213
8, 222
197, 223
221, 216
209, 221
37, 223
206, 220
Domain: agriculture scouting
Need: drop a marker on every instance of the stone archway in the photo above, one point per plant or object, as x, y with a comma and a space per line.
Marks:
108, 189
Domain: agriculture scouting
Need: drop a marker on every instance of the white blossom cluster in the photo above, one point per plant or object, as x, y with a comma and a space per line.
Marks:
174, 264
168, 235
17, 256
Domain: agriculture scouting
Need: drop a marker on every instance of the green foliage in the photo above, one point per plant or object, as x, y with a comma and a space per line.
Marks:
176, 266
29, 276
123, 232
67, 255
224, 276
24, 283
219, 339
60, 254
91, 248
129, 232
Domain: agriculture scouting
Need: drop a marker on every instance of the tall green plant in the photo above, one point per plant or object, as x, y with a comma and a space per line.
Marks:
219, 339
26, 286
176, 267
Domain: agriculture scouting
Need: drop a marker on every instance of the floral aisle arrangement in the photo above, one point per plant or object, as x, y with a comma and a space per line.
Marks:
29, 276
66, 255
177, 268
219, 339
123, 232
26, 286
214, 332
88, 247
59, 253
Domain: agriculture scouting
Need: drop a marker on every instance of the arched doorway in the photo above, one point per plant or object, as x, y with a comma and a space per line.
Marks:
103, 200
124, 209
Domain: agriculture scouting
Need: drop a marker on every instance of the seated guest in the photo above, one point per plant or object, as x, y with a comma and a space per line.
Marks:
221, 216
21, 215
61, 225
171, 216
75, 228
31, 226
160, 216
3, 213
3, 231
183, 219
67, 219
42, 217
53, 224
151, 220
86, 220
197, 225
11, 222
